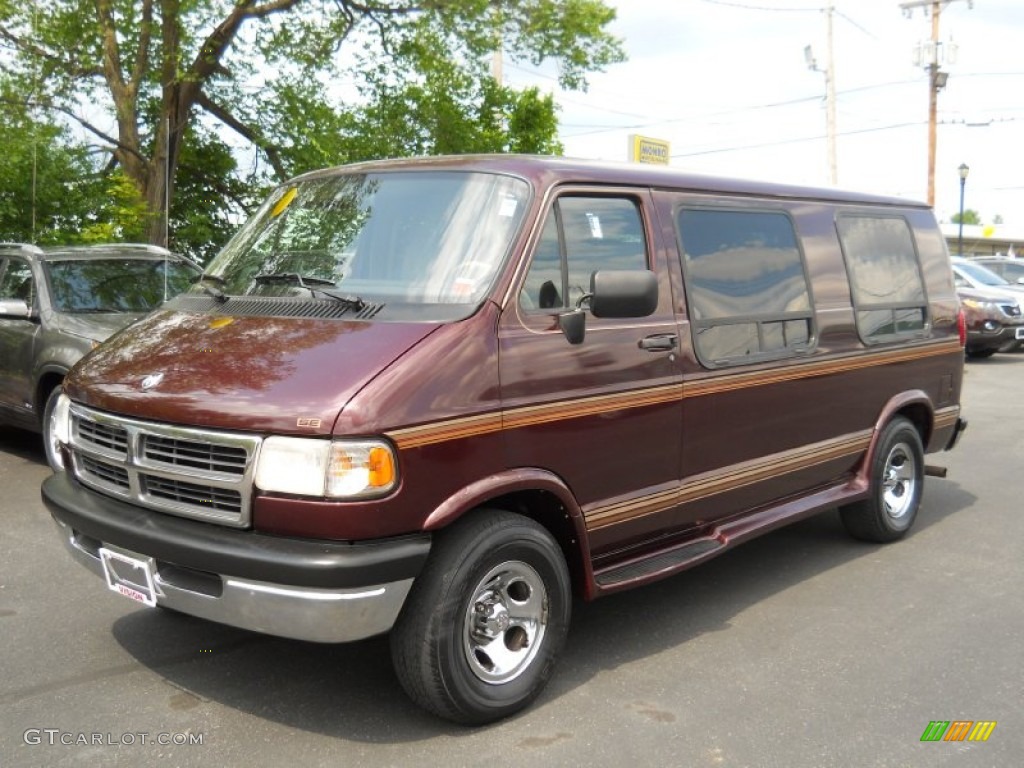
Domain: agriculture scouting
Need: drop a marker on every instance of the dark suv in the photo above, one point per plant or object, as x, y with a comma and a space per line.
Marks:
59, 303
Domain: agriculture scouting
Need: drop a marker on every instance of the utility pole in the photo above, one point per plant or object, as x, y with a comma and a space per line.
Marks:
830, 91
830, 96
936, 78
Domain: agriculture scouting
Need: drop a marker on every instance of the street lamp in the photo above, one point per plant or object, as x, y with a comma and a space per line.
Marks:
964, 170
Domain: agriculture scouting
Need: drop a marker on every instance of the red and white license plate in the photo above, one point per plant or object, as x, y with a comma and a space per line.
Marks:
128, 576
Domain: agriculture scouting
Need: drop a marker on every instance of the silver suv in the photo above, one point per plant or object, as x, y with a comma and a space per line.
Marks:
59, 303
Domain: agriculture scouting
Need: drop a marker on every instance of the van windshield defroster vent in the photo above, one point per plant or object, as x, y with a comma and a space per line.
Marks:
267, 306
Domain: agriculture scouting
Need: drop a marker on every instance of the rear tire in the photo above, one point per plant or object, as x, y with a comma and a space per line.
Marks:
480, 630
897, 480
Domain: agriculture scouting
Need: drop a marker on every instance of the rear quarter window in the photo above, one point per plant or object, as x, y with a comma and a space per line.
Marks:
885, 277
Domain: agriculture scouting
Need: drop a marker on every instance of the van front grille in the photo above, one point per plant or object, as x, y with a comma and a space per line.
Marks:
189, 454
108, 437
189, 493
196, 473
103, 472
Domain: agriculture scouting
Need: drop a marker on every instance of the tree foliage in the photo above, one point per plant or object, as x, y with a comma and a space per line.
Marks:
970, 217
302, 83
53, 191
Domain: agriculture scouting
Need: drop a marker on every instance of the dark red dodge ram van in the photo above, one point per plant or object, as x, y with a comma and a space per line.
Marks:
440, 397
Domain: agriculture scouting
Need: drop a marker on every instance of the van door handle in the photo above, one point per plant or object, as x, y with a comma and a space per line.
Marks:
663, 342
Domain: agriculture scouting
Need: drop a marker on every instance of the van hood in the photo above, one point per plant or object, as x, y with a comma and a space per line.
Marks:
267, 374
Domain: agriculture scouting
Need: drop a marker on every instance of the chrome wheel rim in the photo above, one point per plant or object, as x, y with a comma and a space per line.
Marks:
899, 481
505, 622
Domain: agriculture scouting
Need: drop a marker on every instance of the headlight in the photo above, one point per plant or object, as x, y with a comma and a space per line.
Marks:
62, 419
981, 306
343, 469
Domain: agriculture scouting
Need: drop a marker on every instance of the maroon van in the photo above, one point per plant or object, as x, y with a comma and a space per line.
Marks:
440, 397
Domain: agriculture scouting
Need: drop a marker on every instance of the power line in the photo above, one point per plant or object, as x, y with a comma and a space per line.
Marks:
800, 140
783, 142
738, 110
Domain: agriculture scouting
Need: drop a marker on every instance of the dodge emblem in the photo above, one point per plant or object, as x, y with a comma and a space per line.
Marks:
152, 380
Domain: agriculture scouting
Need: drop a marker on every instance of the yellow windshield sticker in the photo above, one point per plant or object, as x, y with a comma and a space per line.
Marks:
284, 202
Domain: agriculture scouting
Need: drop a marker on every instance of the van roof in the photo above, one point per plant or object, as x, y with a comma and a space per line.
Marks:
544, 171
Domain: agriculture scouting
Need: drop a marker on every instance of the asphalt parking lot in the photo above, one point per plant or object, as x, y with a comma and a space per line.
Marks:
802, 648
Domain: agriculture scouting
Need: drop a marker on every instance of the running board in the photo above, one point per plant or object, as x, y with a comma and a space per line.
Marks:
673, 560
724, 536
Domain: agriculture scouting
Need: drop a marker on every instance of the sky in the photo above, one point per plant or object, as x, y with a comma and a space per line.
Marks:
726, 82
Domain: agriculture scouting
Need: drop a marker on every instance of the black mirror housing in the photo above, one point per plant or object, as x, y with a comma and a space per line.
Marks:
573, 325
623, 293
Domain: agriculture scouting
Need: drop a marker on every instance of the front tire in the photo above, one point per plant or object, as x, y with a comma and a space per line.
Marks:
897, 481
480, 630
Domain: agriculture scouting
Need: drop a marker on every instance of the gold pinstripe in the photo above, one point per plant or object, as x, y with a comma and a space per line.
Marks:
531, 415
731, 478
946, 417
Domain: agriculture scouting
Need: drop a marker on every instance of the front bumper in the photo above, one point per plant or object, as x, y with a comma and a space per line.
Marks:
322, 591
993, 338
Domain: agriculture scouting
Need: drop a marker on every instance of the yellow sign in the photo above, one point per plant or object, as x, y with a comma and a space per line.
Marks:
646, 150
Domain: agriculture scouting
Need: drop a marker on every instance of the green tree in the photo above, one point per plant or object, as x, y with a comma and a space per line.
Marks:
268, 70
53, 191
970, 217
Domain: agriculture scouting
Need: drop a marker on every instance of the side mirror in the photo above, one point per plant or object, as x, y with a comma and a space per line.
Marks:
17, 308
1020, 281
613, 293
623, 293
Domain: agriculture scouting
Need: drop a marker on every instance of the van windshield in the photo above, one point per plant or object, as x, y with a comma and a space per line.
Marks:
411, 237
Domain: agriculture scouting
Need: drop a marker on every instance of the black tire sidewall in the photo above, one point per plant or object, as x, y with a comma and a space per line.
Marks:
899, 431
477, 700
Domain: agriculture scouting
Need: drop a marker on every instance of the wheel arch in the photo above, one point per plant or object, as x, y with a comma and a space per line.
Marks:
917, 408
49, 377
538, 495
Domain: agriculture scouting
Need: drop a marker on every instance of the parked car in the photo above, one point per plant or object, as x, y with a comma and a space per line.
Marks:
993, 310
1011, 270
994, 321
973, 273
439, 397
56, 304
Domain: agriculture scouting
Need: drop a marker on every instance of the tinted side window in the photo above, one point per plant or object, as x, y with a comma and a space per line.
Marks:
582, 235
885, 277
746, 285
17, 281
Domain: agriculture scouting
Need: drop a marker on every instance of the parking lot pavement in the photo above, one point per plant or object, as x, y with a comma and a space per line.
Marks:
802, 648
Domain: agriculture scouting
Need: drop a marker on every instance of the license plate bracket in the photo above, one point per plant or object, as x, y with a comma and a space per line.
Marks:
129, 576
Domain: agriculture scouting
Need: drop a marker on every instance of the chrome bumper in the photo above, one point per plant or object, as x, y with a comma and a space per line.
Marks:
321, 591
302, 613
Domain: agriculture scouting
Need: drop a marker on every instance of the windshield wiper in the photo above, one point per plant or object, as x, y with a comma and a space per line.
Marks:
308, 282
218, 294
292, 277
